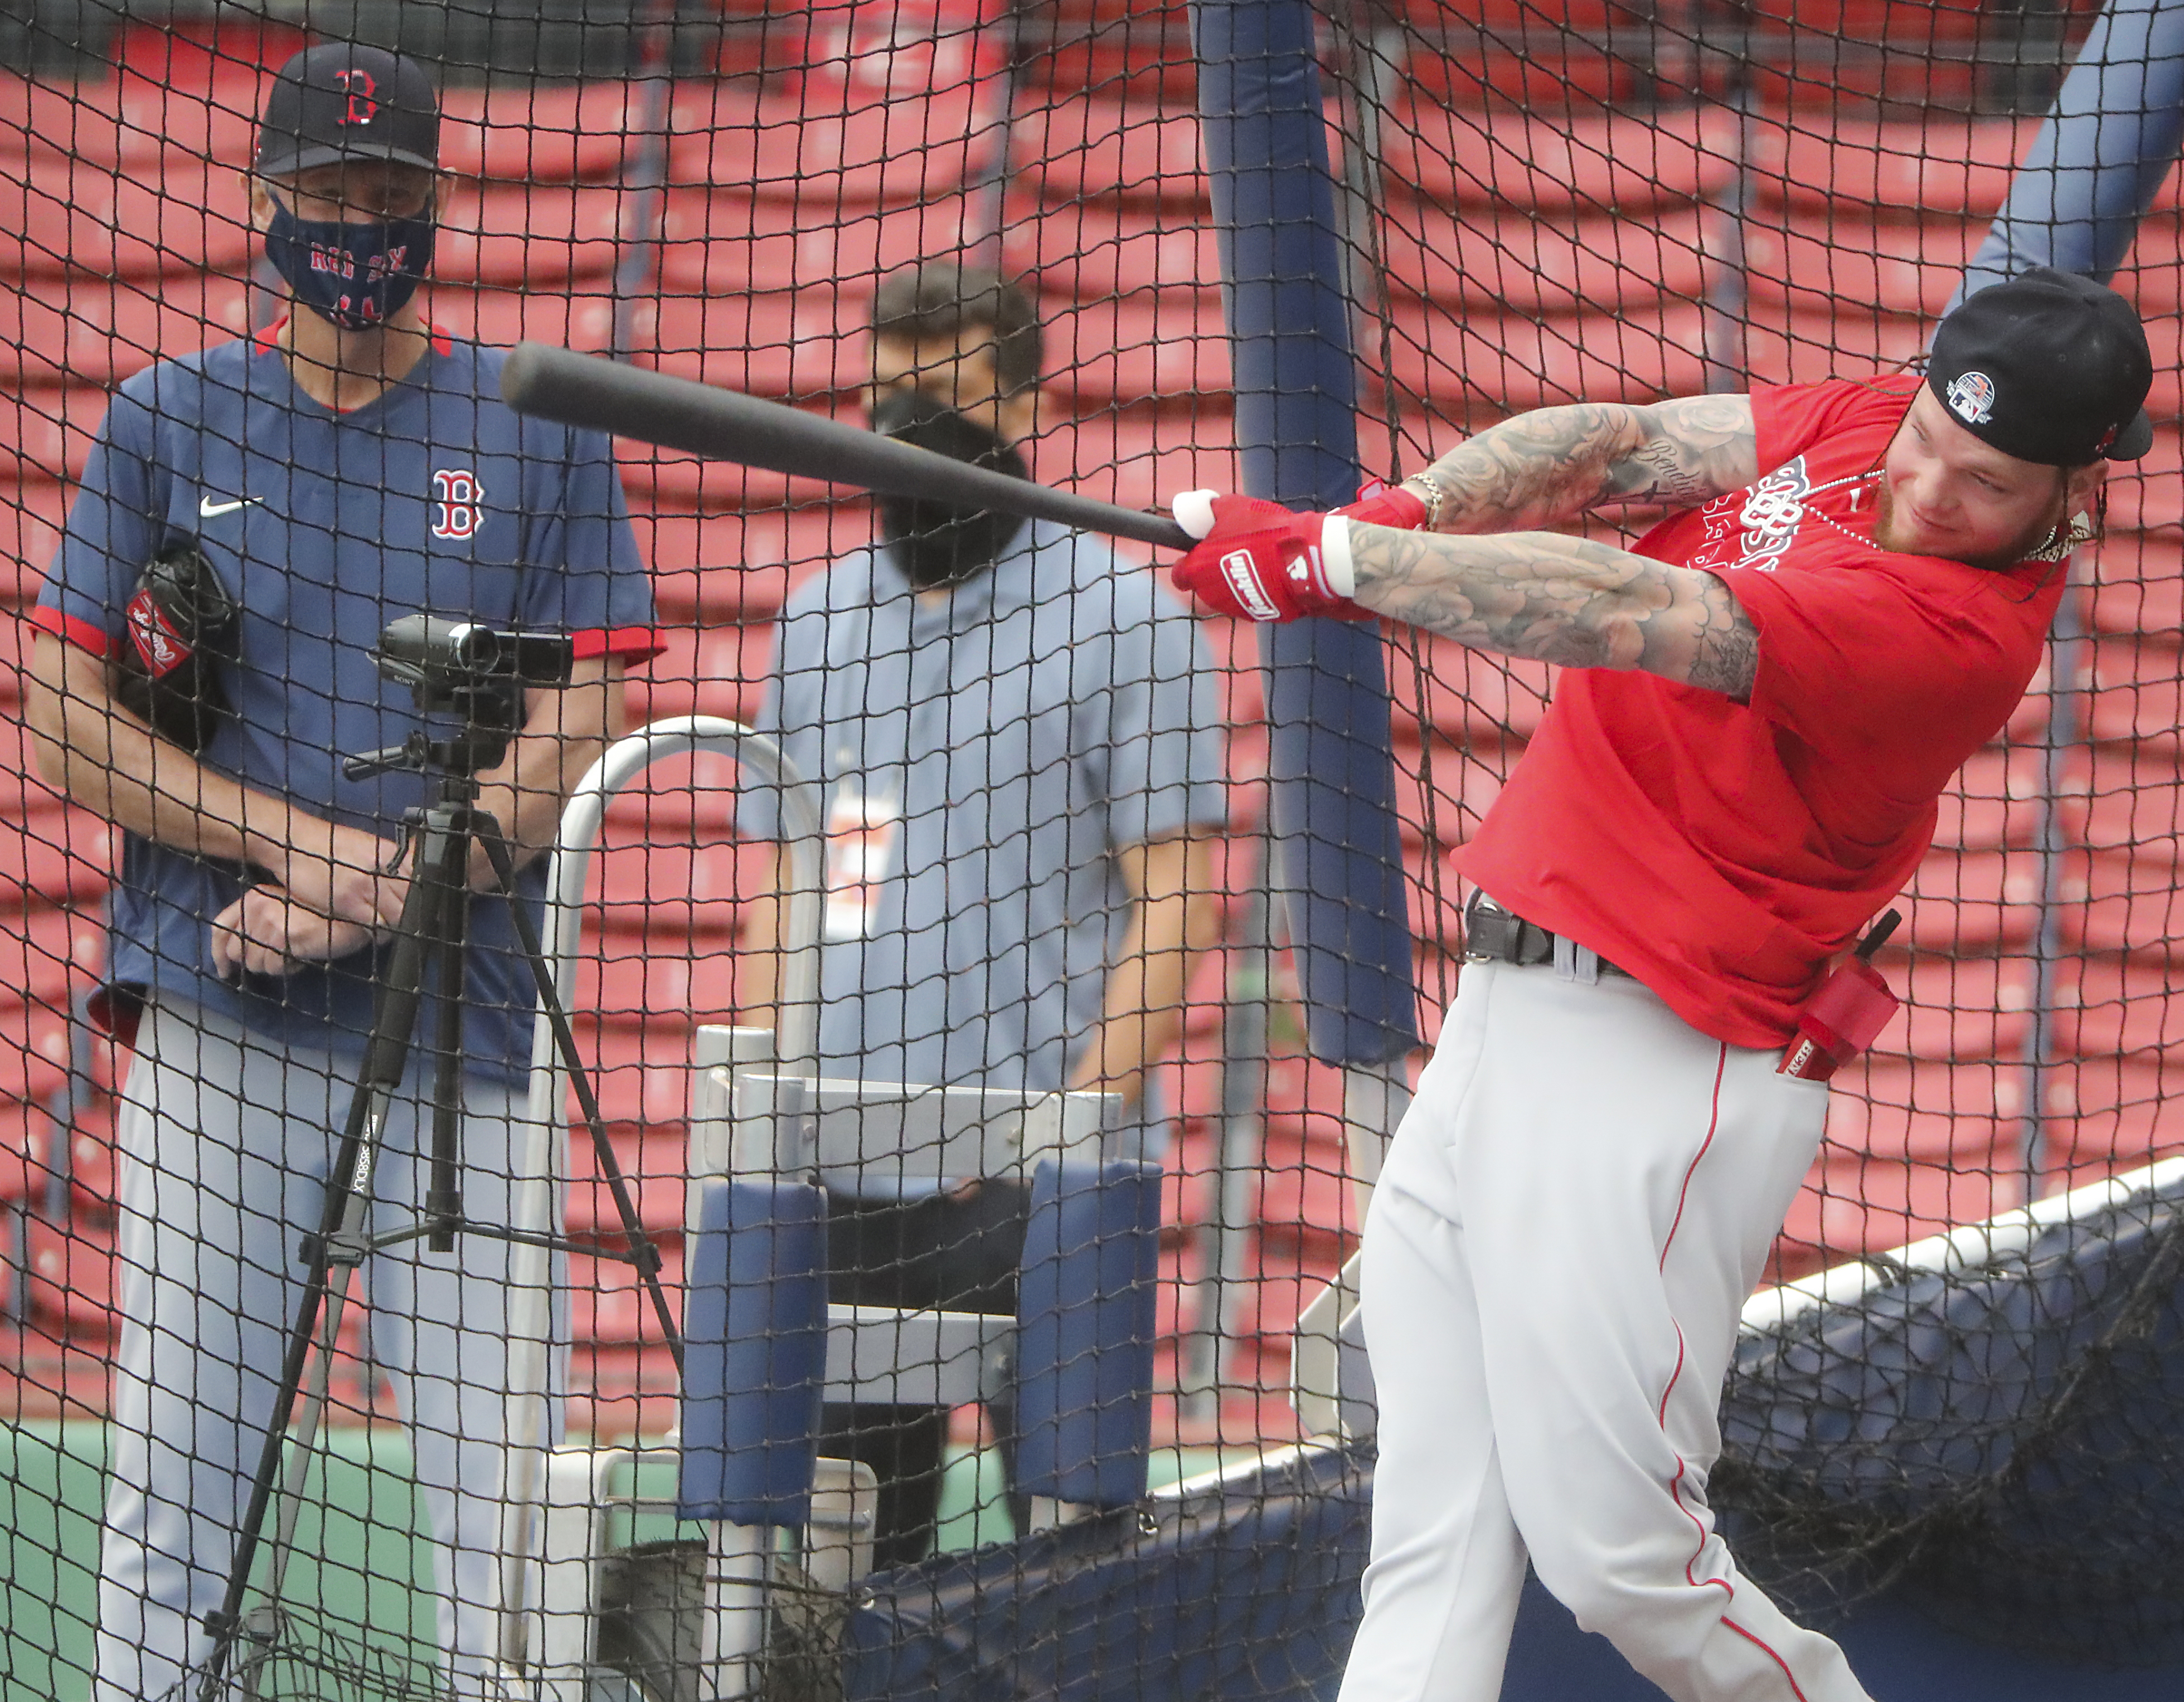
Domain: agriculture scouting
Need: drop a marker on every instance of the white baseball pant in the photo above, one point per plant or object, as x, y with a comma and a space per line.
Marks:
1572, 1216
226, 1141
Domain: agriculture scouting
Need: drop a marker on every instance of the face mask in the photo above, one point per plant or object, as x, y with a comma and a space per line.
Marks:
353, 275
937, 544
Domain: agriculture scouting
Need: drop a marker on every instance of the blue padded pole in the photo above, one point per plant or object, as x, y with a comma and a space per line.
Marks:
2097, 162
1085, 1323
755, 1353
1338, 844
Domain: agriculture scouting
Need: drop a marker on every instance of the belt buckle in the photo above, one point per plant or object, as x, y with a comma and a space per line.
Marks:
1488, 930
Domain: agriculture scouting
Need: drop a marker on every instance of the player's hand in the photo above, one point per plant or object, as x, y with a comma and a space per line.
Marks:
343, 872
1261, 562
267, 932
1380, 504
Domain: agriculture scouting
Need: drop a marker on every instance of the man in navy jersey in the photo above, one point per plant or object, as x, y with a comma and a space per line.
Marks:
344, 468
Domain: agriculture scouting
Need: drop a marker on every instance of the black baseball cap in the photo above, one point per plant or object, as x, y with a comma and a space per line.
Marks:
339, 101
2047, 366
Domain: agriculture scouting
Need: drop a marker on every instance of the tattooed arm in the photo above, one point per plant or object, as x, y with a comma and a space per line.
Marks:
1565, 600
1546, 467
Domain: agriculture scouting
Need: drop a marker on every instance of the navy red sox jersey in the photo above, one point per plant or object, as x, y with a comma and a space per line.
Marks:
1723, 852
437, 499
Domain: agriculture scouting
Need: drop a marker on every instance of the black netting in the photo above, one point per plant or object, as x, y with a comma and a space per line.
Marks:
1044, 858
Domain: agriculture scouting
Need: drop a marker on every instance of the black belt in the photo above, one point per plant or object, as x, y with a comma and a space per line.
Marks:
1491, 931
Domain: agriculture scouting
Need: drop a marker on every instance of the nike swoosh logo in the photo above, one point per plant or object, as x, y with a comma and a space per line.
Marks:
207, 509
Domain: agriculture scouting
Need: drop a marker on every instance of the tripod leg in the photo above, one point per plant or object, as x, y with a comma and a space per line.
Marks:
443, 1199
643, 1254
338, 1243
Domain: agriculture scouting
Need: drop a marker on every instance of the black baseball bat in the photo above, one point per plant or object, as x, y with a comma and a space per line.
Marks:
728, 425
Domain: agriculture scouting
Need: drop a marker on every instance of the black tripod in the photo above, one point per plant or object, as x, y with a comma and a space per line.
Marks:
429, 948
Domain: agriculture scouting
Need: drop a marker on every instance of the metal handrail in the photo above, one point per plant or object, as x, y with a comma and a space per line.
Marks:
532, 1424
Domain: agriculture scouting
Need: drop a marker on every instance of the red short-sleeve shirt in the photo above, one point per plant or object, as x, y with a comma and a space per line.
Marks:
1723, 852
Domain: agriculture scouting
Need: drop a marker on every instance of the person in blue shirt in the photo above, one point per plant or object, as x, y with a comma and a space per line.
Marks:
1018, 741
343, 469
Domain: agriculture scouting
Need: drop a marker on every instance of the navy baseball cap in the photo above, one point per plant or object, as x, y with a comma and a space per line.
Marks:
338, 100
2047, 366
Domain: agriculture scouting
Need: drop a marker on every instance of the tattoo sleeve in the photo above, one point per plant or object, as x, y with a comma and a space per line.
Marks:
1546, 467
1564, 600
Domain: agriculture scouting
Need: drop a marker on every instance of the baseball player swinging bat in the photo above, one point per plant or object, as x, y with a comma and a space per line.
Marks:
728, 425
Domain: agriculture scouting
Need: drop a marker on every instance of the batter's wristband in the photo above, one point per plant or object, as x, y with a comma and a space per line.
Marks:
1335, 557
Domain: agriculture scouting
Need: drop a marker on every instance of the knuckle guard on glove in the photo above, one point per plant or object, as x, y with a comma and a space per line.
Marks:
181, 624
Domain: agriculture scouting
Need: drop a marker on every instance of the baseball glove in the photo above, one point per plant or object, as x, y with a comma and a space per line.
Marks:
182, 625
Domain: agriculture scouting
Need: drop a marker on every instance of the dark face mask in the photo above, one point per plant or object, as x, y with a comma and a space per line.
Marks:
937, 544
353, 275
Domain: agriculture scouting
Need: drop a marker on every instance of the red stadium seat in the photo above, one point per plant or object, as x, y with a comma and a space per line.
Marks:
1623, 163
651, 1164
1970, 1105
1852, 1204
87, 331
1958, 1010
2148, 496
1803, 345
1972, 902
606, 1305
2108, 1008
2120, 801
32, 517
1993, 802
46, 433
2107, 1114
1899, 267
550, 133
54, 852
725, 242
1947, 164
500, 318
1876, 21
1100, 147
684, 484
2137, 694
58, 213
2131, 902
528, 235
715, 568
1534, 265
1090, 250
1137, 349
1140, 456
1510, 362
797, 344
71, 1278
894, 152
680, 897
2138, 586
718, 670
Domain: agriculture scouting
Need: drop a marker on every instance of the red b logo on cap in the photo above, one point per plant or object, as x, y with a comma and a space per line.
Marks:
363, 96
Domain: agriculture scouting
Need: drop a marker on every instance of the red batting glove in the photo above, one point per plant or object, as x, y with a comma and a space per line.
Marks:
1260, 561
1379, 504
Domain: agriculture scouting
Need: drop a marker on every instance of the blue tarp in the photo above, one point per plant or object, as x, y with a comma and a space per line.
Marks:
1246, 1590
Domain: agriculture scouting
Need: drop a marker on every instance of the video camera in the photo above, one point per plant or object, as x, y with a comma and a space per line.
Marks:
466, 669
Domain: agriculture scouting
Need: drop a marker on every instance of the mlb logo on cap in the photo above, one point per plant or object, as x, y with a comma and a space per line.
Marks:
1972, 398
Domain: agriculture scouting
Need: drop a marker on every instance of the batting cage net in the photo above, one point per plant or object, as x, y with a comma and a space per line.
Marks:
990, 980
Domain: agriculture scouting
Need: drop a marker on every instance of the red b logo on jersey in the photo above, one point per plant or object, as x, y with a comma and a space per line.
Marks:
457, 504
362, 96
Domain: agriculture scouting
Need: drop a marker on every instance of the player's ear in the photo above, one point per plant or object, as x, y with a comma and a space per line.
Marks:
261, 201
2082, 486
